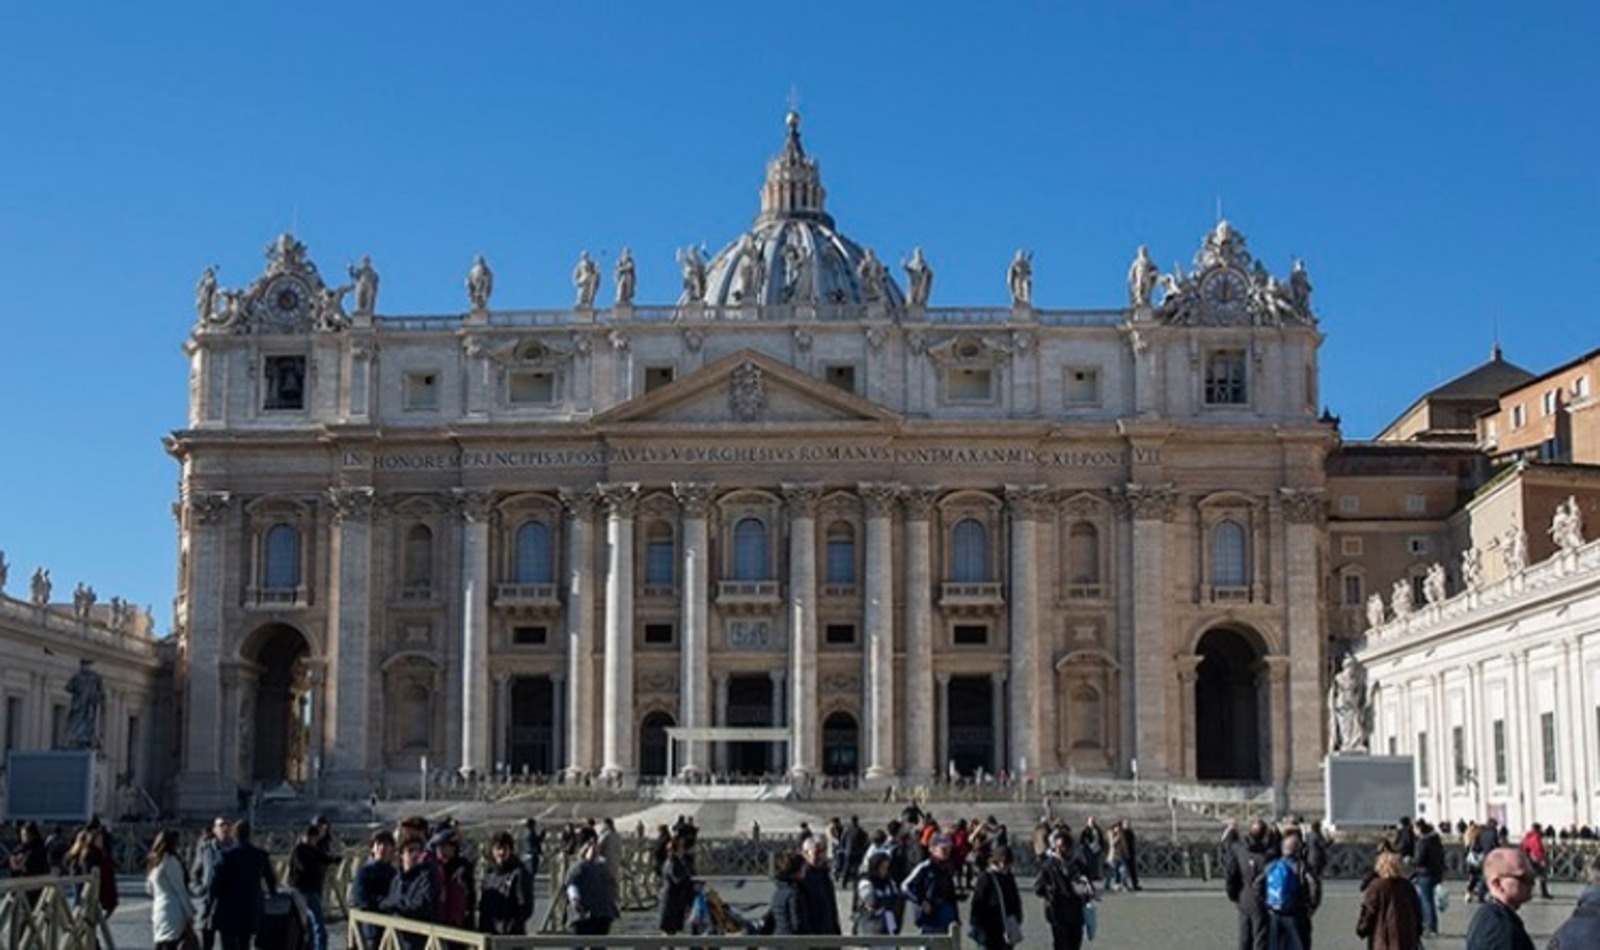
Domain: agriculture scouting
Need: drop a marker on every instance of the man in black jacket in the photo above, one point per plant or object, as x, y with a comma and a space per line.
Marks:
244, 876
308, 874
1063, 881
821, 907
1246, 859
1427, 872
1495, 925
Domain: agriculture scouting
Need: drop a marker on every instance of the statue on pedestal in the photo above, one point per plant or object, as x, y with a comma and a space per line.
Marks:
626, 279
1566, 528
1400, 598
1514, 549
83, 717
1019, 279
5, 572
694, 275
874, 277
586, 277
1347, 709
205, 294
480, 284
919, 278
1433, 584
39, 587
1142, 277
1471, 568
1375, 612
366, 278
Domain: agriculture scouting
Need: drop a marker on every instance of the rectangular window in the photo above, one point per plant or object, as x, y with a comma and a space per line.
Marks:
1422, 760
659, 558
1083, 387
1225, 383
970, 634
536, 387
533, 636
1547, 746
1519, 416
842, 375
1499, 731
284, 383
966, 384
1354, 595
840, 634
841, 564
13, 722
1458, 753
1580, 388
1416, 504
1550, 401
422, 391
656, 376
658, 634
1349, 504
1352, 547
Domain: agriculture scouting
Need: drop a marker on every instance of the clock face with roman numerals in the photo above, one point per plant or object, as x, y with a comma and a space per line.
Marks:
1226, 288
287, 301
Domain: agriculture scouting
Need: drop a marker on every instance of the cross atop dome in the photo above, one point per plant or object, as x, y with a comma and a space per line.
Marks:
794, 182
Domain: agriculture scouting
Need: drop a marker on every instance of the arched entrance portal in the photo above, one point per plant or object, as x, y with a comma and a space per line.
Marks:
750, 702
281, 721
653, 744
533, 726
841, 745
973, 726
1227, 714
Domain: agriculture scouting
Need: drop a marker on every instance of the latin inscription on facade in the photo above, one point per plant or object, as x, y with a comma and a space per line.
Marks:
712, 452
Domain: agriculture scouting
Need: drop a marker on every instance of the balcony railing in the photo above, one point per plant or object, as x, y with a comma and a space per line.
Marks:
1229, 594
748, 594
970, 596
839, 590
415, 592
659, 590
277, 598
1086, 591
527, 596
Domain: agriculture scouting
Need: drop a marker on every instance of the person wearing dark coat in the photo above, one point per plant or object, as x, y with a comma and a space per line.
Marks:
505, 902
1582, 929
1405, 838
1060, 872
203, 878
1427, 870
532, 848
414, 894
994, 898
372, 882
1391, 910
1495, 925
1246, 860
822, 908
788, 911
677, 887
244, 877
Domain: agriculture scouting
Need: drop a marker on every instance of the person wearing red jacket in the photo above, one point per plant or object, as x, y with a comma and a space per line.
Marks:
1533, 847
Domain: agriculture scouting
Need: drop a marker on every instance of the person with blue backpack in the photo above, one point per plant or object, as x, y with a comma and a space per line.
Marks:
1290, 894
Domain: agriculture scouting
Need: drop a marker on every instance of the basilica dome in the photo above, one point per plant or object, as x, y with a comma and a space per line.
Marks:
792, 255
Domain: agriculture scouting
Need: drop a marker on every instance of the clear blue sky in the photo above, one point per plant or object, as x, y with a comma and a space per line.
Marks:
1435, 164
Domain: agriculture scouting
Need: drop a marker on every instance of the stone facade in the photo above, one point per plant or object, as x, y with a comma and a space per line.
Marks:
918, 537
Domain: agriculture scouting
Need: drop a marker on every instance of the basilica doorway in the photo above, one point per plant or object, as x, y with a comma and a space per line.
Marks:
531, 745
750, 705
841, 745
280, 721
1227, 714
653, 744
974, 732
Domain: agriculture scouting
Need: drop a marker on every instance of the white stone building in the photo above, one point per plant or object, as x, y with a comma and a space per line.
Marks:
801, 496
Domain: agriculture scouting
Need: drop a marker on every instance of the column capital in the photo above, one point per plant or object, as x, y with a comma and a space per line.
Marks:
473, 504
944, 680
778, 676
695, 497
352, 504
919, 501
208, 507
580, 505
621, 498
1276, 666
1304, 505
1146, 502
801, 500
1028, 502
879, 498
501, 679
1188, 667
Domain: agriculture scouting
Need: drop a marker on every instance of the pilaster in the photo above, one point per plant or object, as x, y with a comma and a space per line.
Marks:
920, 733
346, 731
879, 501
1150, 508
1026, 506
617, 752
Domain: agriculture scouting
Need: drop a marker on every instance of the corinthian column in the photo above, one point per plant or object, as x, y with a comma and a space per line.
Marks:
694, 665
616, 718
1026, 506
879, 621
920, 735
801, 500
345, 727
1150, 508
203, 520
475, 698
580, 724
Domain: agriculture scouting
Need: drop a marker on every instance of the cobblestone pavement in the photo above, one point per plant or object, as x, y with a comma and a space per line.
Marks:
1168, 913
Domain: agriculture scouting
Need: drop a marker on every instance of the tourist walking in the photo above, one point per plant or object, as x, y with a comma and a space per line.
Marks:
930, 890
506, 900
1508, 879
373, 881
996, 911
1291, 894
877, 898
822, 909
1582, 929
1246, 859
172, 911
1064, 884
591, 893
1533, 847
1391, 915
244, 878
308, 875
532, 848
1427, 873
677, 887
89, 856
203, 875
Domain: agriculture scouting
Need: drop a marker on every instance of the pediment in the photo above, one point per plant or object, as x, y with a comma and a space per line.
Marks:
747, 388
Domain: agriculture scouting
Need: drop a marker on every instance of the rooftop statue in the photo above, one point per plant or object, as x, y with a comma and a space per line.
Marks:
205, 294
1375, 614
480, 284
873, 276
1300, 288
586, 277
1142, 277
366, 278
330, 313
39, 587
83, 717
1019, 279
1471, 568
694, 275
625, 278
1400, 598
83, 600
752, 272
1514, 549
1433, 584
1566, 528
5, 572
920, 278
1347, 709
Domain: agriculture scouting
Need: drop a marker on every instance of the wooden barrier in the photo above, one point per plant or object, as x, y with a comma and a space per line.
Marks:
53, 913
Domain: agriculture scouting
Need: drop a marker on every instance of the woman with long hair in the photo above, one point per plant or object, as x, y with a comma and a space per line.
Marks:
172, 911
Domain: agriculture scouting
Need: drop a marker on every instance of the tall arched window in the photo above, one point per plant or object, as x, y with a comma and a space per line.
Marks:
418, 569
1083, 555
841, 566
969, 551
282, 558
750, 550
1228, 565
533, 562
659, 555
